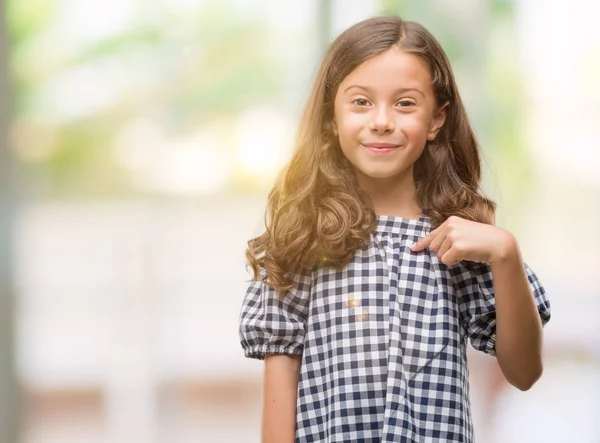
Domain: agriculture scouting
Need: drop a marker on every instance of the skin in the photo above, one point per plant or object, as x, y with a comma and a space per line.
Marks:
279, 398
390, 99
518, 324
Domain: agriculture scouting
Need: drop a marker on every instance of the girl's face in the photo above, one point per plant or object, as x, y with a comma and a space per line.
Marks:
385, 111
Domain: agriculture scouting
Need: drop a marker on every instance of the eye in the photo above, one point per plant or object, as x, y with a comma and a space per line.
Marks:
360, 102
406, 103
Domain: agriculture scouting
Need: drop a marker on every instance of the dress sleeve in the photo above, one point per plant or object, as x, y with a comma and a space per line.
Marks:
269, 324
475, 291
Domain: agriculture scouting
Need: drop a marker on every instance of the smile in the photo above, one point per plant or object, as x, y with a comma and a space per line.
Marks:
381, 148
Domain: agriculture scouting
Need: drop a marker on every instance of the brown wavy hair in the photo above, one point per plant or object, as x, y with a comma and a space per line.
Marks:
316, 212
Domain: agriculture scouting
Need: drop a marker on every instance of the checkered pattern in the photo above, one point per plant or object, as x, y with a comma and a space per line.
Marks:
383, 341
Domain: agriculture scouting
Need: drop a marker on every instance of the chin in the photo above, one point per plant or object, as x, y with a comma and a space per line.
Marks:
380, 173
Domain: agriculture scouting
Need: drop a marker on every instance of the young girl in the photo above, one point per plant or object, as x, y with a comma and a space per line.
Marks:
380, 259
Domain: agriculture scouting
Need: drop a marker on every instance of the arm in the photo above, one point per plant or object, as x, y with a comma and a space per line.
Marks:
273, 328
518, 324
509, 311
279, 398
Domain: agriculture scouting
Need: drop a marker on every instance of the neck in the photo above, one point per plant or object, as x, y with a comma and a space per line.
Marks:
394, 196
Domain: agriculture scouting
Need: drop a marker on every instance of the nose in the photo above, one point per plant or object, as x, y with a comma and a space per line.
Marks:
382, 121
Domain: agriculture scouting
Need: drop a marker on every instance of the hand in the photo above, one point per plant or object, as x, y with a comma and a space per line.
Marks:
458, 239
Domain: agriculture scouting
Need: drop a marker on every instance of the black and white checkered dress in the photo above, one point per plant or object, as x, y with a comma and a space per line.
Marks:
383, 342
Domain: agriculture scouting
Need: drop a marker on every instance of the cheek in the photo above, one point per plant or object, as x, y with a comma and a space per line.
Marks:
416, 128
350, 123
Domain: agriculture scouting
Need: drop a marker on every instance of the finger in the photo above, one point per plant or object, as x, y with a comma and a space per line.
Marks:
444, 247
438, 240
424, 242
451, 257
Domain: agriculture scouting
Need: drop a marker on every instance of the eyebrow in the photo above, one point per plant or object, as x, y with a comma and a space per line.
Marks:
366, 88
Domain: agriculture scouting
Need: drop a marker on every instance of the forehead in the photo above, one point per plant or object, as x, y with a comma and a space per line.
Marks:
391, 70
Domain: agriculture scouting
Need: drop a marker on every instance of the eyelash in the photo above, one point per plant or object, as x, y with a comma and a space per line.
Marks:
356, 100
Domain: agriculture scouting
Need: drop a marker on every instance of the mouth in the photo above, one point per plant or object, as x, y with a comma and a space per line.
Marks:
381, 148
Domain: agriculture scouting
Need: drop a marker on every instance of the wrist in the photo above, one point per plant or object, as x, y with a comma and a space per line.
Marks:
507, 250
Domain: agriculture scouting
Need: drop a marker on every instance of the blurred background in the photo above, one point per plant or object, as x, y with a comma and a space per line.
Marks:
138, 141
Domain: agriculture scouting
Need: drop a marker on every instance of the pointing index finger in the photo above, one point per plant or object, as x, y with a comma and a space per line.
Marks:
425, 241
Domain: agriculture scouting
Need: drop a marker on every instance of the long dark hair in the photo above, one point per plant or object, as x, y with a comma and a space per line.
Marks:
316, 211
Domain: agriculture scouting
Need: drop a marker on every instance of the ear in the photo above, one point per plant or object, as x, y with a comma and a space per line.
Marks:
334, 127
438, 121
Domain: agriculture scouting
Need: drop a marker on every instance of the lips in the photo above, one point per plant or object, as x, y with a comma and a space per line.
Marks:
381, 148
380, 145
